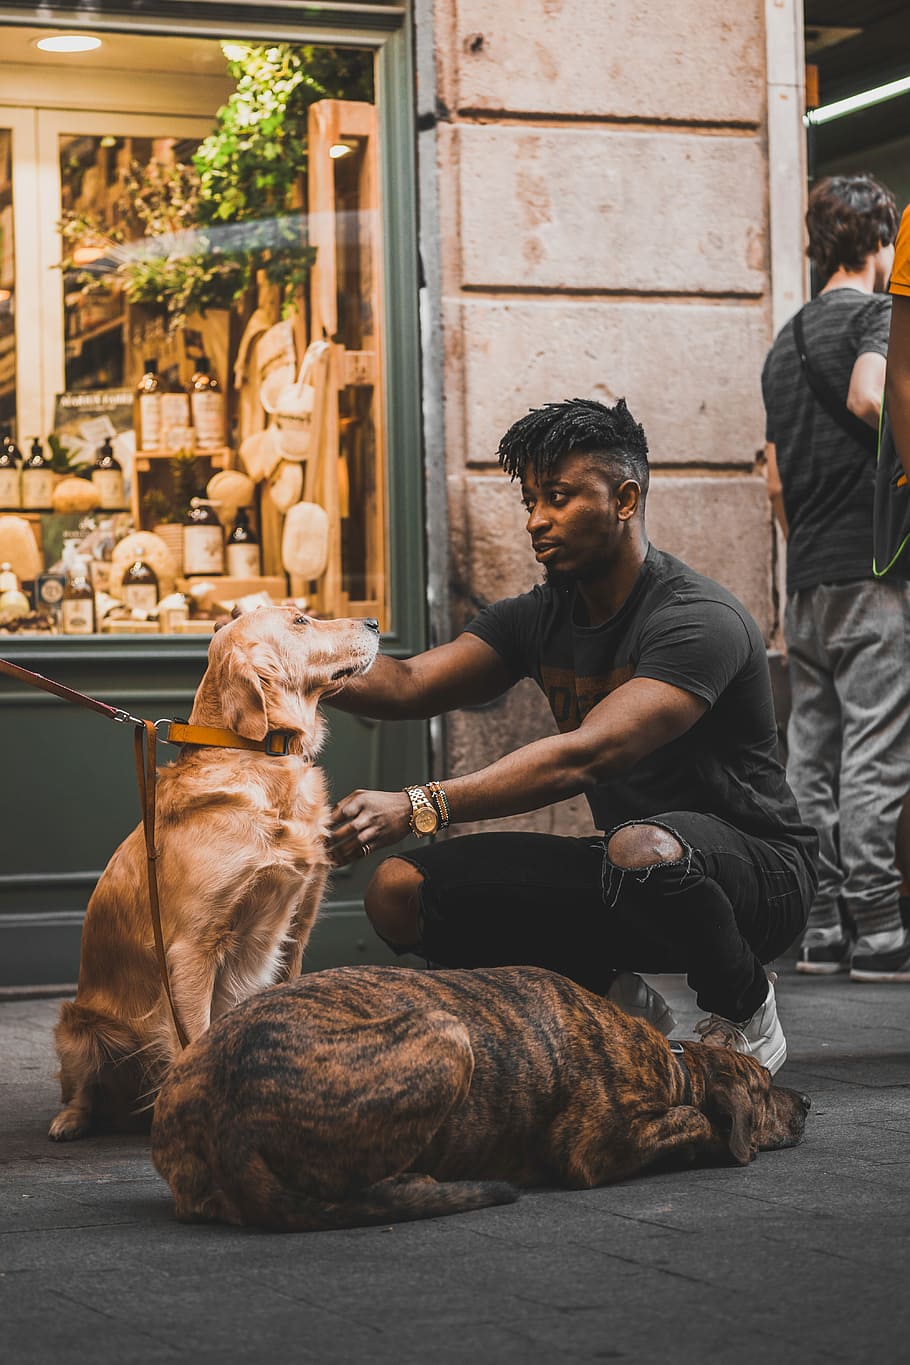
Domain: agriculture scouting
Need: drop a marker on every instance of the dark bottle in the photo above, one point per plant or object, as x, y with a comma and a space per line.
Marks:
148, 408
37, 479
107, 478
77, 608
203, 539
139, 589
207, 405
10, 489
242, 548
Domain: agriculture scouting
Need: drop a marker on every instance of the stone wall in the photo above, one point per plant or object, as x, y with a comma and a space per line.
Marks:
600, 210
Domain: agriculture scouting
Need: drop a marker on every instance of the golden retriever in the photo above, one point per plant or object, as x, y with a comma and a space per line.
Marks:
241, 869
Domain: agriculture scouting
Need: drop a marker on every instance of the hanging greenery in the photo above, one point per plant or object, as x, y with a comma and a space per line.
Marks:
194, 237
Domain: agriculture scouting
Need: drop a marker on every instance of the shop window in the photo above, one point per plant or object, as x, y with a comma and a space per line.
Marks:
201, 418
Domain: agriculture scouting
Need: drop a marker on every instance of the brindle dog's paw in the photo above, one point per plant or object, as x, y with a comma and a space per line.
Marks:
68, 1125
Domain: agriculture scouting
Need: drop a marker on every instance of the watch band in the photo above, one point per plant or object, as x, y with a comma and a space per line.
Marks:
424, 817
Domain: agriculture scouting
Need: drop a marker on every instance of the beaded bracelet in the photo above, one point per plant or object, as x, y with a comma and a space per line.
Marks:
441, 803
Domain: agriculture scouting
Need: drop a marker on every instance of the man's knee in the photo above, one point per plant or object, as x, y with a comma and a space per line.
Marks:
637, 846
392, 902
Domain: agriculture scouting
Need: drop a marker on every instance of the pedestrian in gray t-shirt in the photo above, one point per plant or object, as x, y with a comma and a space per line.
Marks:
848, 634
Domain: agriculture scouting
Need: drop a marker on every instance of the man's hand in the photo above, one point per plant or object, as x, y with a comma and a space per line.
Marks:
365, 821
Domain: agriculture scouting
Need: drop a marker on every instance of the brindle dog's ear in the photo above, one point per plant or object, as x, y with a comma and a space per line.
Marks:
728, 1095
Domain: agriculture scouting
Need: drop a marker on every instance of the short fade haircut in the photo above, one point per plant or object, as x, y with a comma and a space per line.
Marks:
580, 425
849, 218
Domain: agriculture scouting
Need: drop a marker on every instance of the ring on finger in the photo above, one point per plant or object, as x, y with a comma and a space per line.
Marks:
365, 850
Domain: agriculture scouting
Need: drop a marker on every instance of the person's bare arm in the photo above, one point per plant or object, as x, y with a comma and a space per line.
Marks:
639, 717
775, 488
867, 384
897, 381
466, 672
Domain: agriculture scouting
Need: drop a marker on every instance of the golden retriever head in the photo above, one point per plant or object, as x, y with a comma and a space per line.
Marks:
747, 1111
269, 669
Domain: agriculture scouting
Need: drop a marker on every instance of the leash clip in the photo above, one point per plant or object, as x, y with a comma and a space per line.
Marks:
124, 718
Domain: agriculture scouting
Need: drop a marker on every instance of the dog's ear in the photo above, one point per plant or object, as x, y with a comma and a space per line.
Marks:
242, 696
285, 702
728, 1095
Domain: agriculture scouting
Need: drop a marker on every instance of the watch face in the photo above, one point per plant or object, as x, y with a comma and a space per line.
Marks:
425, 821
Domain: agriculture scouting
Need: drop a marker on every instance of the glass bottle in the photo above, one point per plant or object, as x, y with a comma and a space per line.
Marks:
203, 539
242, 552
148, 419
207, 405
176, 420
107, 478
37, 480
139, 590
10, 489
77, 609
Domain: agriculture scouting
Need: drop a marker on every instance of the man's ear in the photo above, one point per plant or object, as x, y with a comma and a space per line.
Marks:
628, 499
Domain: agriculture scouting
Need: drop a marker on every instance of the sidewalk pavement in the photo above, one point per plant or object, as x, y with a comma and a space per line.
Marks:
800, 1257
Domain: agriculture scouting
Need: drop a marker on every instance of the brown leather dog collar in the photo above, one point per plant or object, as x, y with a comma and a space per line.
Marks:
679, 1053
276, 743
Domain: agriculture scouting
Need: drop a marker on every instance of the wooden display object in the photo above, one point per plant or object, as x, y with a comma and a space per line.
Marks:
355, 363
144, 474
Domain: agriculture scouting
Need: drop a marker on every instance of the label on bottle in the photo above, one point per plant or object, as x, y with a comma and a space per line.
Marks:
76, 616
139, 596
242, 560
108, 485
150, 421
10, 495
175, 418
37, 488
208, 418
203, 549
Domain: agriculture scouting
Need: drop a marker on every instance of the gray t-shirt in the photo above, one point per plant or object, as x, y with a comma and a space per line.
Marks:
678, 627
828, 480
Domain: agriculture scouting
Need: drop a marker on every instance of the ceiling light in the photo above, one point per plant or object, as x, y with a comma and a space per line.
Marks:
68, 42
853, 103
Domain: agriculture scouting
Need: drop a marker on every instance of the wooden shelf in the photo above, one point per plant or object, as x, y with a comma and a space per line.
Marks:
77, 344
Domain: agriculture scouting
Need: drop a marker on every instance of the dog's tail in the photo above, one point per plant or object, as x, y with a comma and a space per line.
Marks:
88, 1039
263, 1201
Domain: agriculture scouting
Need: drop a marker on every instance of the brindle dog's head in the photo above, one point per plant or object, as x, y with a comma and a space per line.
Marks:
747, 1111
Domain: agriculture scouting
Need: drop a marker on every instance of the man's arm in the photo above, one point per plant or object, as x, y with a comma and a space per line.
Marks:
640, 716
466, 672
867, 384
775, 487
897, 381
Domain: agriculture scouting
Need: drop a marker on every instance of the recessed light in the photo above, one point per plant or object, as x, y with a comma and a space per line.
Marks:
68, 42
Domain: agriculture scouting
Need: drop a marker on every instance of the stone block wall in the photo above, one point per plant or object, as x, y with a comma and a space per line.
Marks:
600, 219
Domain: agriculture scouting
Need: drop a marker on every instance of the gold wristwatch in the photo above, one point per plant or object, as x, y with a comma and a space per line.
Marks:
424, 819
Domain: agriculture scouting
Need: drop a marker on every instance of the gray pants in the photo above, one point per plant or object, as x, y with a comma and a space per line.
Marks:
849, 741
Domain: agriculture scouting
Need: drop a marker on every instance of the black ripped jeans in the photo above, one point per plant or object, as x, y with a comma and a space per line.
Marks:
728, 905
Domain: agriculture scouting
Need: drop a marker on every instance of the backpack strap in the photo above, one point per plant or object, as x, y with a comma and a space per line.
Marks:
836, 409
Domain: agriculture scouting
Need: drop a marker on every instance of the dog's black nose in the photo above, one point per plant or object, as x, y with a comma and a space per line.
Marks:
371, 623
806, 1102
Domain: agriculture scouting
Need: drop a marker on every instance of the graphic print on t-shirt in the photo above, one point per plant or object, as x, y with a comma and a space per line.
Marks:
571, 697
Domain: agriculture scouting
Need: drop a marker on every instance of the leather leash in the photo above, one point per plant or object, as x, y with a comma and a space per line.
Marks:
145, 748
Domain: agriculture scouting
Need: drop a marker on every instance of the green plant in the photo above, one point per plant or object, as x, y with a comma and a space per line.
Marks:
62, 461
194, 237
157, 507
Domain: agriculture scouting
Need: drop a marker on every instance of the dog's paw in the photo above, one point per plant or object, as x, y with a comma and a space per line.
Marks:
68, 1125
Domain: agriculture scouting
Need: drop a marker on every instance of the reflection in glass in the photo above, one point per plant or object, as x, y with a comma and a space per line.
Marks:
7, 285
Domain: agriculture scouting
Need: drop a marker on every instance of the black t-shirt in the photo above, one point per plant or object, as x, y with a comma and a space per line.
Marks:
680, 628
828, 480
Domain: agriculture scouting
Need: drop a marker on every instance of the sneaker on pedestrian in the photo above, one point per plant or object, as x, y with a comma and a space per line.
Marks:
633, 995
760, 1037
823, 952
874, 963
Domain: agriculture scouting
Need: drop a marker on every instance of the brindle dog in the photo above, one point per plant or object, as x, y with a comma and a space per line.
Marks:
377, 1094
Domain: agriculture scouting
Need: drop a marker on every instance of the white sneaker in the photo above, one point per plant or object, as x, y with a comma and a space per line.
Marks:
760, 1037
633, 995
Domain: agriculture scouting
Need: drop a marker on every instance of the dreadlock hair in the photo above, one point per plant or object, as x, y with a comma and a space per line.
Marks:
545, 434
